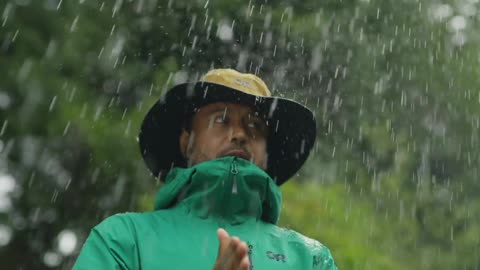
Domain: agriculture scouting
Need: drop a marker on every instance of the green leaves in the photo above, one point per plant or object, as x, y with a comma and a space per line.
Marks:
394, 85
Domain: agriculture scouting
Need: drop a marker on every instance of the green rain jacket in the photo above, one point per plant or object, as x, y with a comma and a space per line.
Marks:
181, 233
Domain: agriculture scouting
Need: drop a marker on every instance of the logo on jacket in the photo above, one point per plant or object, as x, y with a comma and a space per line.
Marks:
277, 257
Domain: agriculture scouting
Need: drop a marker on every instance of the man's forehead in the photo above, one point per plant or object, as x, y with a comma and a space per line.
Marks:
221, 106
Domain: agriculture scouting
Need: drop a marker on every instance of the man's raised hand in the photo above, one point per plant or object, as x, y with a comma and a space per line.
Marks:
232, 253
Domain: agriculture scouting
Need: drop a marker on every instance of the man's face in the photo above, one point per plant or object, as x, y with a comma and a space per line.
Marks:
225, 129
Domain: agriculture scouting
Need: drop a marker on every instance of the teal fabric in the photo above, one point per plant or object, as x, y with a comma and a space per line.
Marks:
229, 193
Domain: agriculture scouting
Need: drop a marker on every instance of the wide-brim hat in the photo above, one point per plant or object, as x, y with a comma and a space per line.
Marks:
292, 126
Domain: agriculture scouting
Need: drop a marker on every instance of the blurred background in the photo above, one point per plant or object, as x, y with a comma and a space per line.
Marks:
392, 182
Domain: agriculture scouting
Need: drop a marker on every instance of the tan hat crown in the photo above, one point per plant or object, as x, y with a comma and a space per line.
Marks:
244, 82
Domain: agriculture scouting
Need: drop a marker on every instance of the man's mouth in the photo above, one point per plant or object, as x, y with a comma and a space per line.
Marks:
238, 153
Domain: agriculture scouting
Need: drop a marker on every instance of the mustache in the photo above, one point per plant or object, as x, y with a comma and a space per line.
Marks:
227, 150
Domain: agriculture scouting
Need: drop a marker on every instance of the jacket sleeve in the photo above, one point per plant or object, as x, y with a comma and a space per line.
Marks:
109, 246
324, 260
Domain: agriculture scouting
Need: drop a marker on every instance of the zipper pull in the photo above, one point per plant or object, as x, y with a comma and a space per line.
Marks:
234, 171
250, 256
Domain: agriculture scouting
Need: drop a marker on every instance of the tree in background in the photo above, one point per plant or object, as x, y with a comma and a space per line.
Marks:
392, 182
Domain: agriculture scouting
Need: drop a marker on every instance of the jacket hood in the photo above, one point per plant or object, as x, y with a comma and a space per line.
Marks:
228, 188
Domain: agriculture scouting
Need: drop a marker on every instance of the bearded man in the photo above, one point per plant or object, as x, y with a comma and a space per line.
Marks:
223, 147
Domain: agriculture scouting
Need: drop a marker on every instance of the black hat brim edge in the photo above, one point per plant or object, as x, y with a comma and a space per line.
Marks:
291, 138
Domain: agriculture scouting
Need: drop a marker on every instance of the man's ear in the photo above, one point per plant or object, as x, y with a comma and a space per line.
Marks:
184, 141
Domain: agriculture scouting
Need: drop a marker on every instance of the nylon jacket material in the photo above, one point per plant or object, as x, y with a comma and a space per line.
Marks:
229, 193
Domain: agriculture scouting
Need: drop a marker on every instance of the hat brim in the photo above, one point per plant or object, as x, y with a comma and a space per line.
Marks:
291, 137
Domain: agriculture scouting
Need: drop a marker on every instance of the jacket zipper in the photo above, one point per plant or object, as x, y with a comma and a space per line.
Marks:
250, 257
234, 172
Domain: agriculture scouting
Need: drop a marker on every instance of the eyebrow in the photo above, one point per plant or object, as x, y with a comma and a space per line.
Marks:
223, 108
217, 108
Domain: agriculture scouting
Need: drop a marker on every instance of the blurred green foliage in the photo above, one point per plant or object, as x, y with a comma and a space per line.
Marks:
391, 184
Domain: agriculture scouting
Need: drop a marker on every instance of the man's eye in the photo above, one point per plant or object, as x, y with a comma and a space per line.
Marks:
255, 125
220, 119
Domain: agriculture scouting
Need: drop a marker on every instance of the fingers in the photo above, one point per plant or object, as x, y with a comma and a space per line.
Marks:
224, 239
231, 257
244, 264
232, 253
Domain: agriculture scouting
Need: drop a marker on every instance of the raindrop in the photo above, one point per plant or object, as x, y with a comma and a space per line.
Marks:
273, 106
5, 235
4, 127
4, 101
268, 39
68, 183
59, 4
5, 203
180, 77
209, 28
459, 39
194, 43
316, 59
52, 259
457, 23
117, 47
242, 60
7, 183
268, 20
192, 24
101, 52
72, 94
225, 31
118, 5
128, 127
451, 233
54, 196
251, 11
113, 29
67, 241
15, 36
51, 49
52, 103
73, 27
98, 112
6, 13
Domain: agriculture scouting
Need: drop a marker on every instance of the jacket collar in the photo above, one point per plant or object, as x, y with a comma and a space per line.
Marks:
229, 188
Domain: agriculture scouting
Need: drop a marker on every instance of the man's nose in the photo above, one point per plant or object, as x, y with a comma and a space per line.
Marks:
238, 134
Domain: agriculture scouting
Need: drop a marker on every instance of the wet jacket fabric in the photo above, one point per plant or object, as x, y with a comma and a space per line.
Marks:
181, 233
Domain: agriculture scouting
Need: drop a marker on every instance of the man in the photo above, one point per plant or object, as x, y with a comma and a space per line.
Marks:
223, 146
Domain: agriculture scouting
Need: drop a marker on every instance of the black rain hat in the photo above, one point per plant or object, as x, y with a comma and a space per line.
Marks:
292, 126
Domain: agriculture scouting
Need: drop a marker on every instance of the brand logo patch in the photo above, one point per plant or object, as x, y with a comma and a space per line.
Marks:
277, 257
243, 83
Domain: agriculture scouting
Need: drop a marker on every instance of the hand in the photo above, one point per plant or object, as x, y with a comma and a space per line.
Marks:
232, 253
